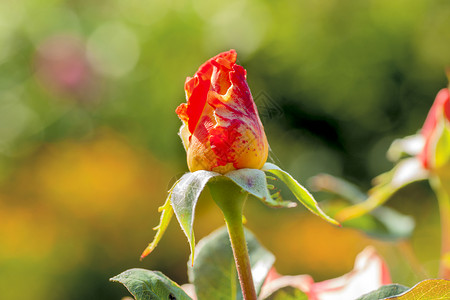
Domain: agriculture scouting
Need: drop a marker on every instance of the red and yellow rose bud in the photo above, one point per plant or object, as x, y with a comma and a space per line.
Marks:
435, 155
221, 128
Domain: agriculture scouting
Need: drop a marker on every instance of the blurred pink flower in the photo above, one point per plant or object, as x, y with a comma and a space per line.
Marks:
62, 67
369, 273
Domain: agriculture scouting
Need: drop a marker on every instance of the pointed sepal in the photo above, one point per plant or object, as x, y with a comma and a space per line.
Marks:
184, 198
301, 193
254, 182
166, 215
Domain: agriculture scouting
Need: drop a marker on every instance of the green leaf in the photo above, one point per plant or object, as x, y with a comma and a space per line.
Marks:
287, 293
436, 289
383, 222
254, 182
214, 273
337, 186
150, 285
407, 171
184, 197
384, 291
302, 194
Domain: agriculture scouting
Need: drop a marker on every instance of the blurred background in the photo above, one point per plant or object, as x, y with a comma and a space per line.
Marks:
88, 132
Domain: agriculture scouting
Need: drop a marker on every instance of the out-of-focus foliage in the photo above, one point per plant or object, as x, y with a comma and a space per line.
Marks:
215, 260
88, 142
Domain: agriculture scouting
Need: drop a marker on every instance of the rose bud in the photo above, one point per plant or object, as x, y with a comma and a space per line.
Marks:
436, 133
221, 128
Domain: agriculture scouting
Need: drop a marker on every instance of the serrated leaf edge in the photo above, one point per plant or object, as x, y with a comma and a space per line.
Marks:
166, 215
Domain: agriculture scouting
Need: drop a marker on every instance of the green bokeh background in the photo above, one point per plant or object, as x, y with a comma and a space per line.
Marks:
88, 133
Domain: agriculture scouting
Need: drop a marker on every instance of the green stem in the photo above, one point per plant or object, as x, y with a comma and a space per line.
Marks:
442, 189
406, 250
231, 199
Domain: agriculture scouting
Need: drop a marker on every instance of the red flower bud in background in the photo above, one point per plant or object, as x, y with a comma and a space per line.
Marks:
435, 154
221, 128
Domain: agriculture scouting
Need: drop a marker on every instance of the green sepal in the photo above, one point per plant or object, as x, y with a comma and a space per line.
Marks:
166, 216
187, 190
185, 193
150, 285
184, 197
254, 181
301, 193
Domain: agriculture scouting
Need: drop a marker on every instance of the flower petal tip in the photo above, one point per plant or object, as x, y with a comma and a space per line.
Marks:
223, 130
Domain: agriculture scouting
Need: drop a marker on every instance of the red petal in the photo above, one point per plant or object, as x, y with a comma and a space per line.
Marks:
442, 101
181, 112
196, 103
197, 87
447, 105
226, 59
430, 123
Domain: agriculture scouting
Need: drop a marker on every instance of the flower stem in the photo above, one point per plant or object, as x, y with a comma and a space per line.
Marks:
442, 189
231, 199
